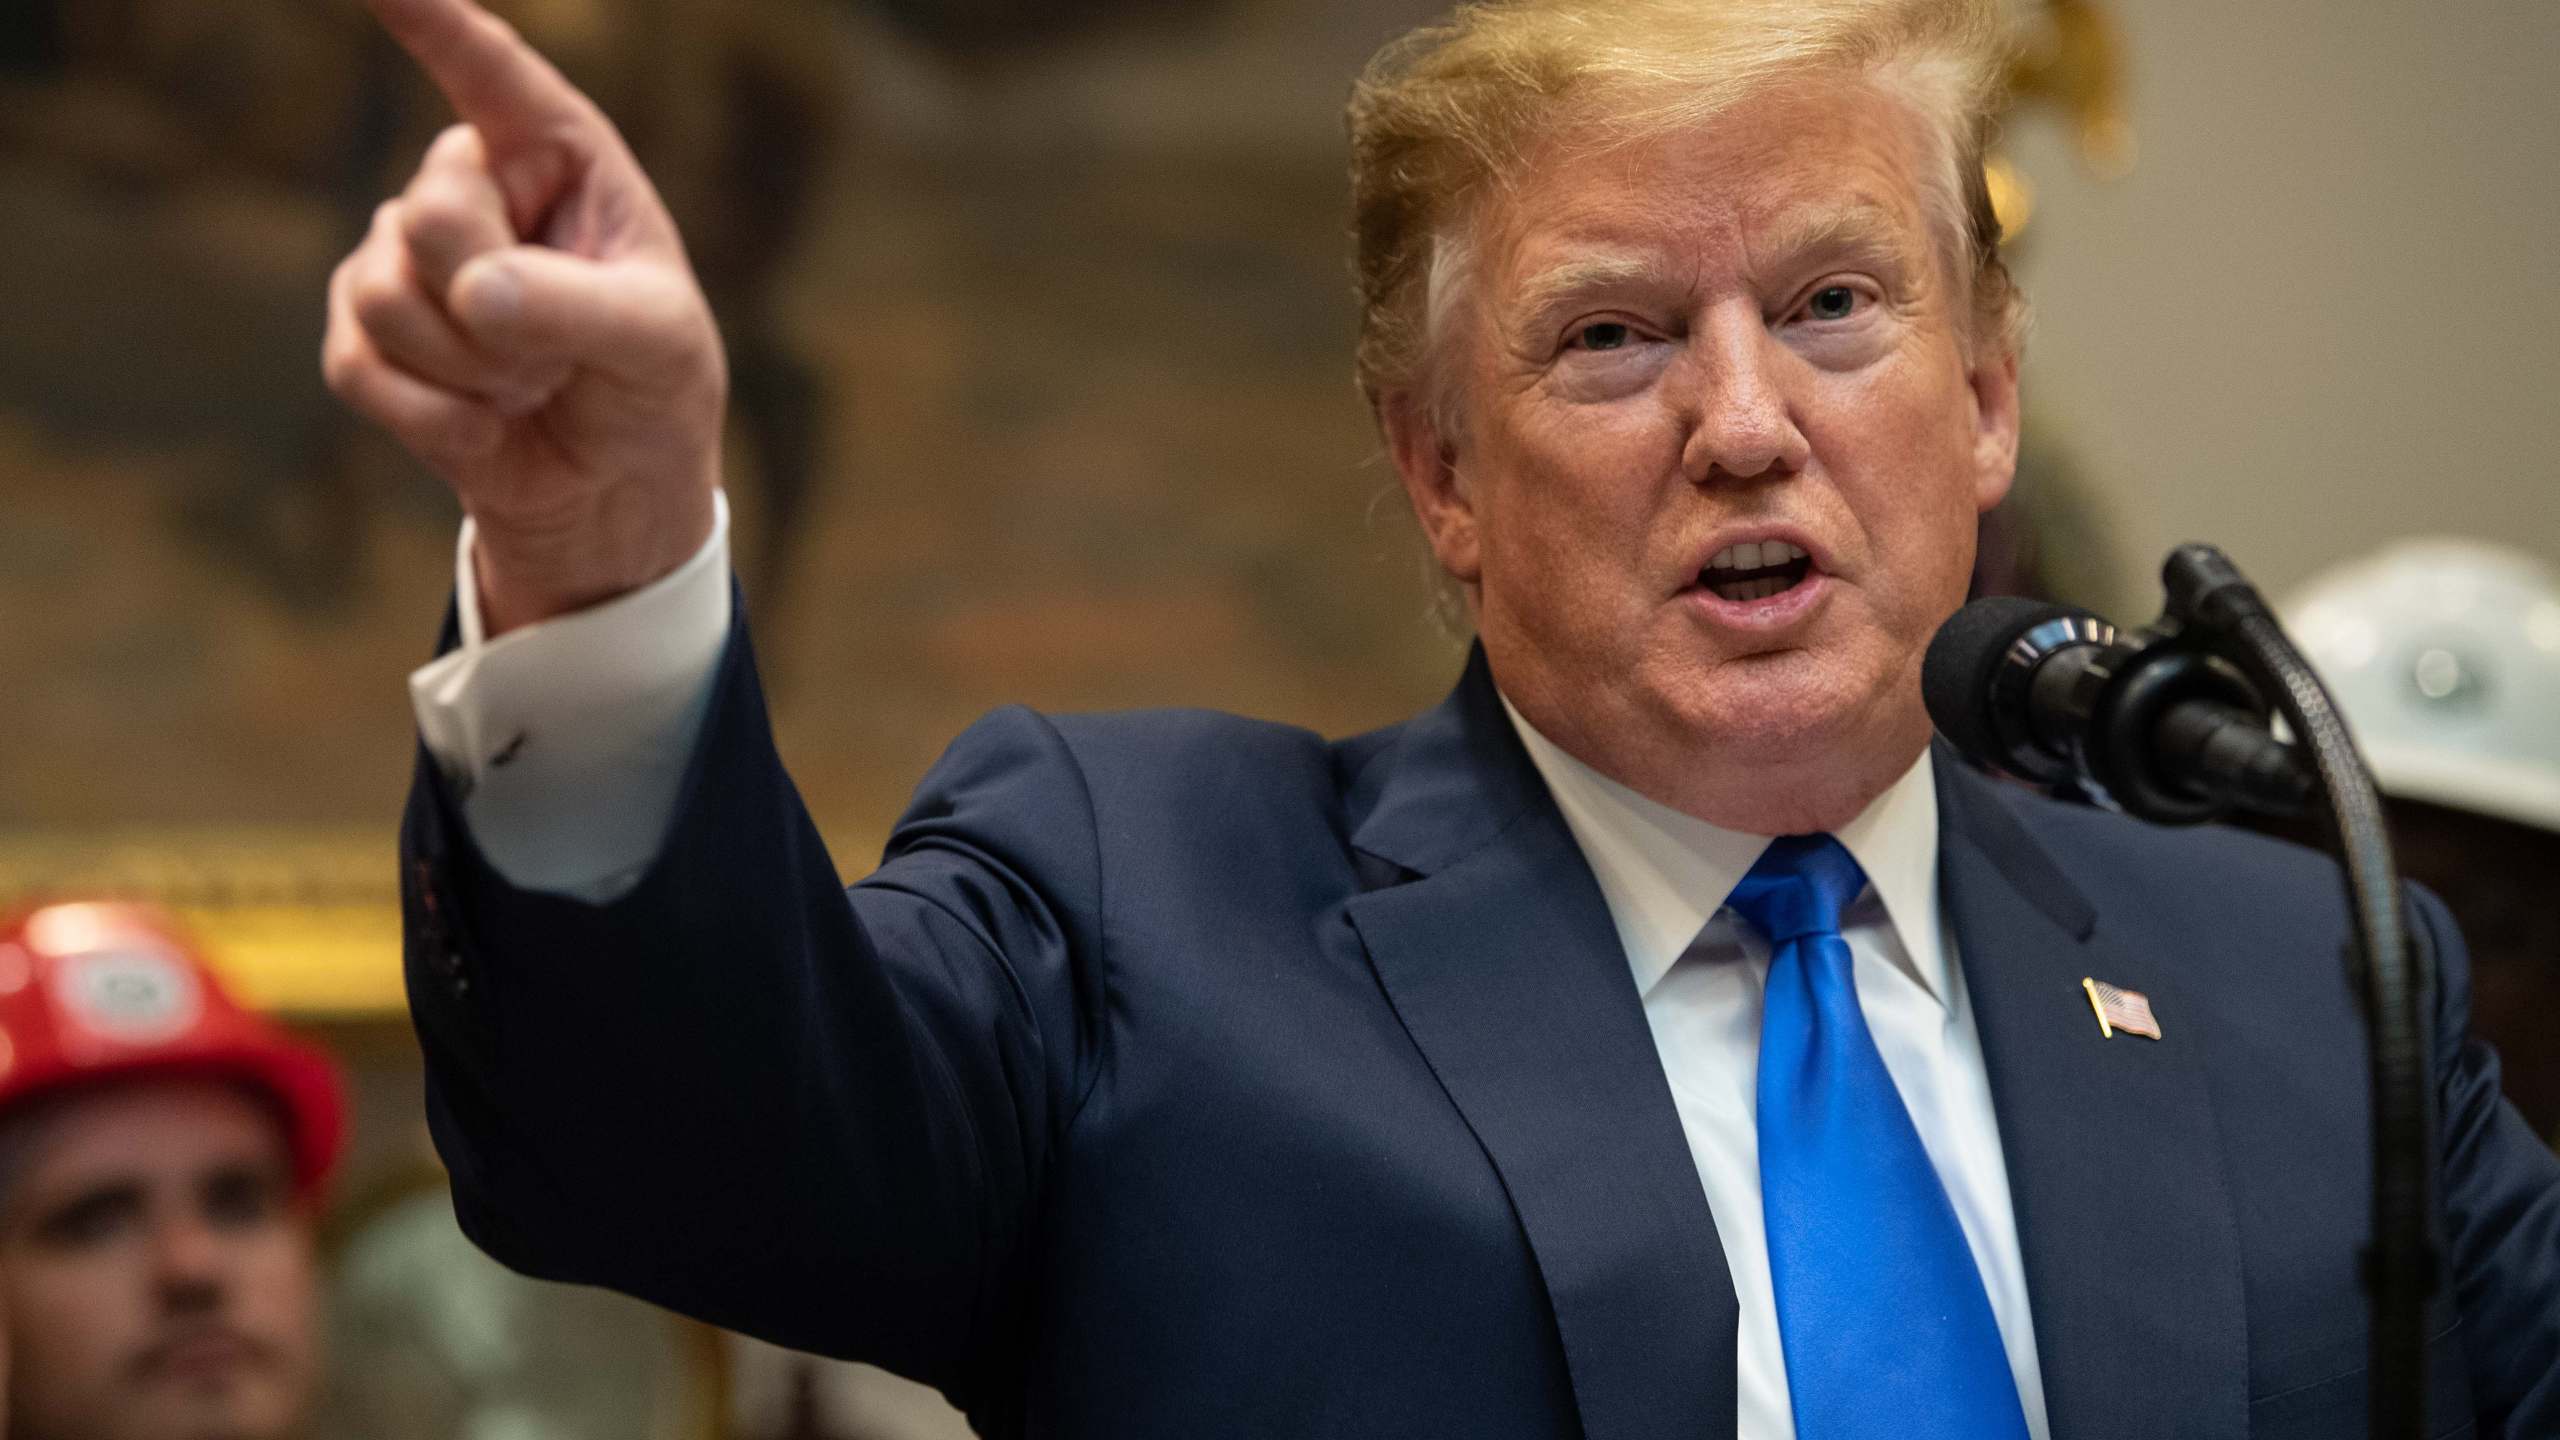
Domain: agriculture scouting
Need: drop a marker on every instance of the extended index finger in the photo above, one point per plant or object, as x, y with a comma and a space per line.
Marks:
491, 77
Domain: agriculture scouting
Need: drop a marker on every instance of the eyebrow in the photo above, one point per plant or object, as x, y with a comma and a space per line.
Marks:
48, 1216
1562, 284
1580, 276
1859, 226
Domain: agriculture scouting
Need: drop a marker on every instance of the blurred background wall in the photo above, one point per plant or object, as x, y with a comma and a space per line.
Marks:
2322, 310
1041, 323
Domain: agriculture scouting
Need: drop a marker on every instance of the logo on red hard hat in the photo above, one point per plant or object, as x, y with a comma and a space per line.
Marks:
135, 992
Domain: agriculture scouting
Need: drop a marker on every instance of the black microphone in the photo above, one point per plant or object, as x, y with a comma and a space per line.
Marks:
2139, 723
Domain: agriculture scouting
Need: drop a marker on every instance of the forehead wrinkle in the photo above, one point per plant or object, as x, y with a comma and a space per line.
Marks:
1859, 225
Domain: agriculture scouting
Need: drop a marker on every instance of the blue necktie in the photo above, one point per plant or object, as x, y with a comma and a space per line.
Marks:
1887, 1329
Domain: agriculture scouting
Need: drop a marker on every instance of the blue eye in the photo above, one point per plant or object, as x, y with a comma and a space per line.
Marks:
1832, 302
1607, 335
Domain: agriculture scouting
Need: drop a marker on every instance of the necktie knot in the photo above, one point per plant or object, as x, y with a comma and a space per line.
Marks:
1800, 886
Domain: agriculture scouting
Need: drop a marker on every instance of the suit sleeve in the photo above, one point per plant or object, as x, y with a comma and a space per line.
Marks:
2501, 1208
741, 1091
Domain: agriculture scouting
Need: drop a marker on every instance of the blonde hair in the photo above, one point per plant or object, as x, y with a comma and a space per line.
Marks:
1452, 112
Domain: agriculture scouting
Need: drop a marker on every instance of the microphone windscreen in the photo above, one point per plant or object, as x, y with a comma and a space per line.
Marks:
1955, 676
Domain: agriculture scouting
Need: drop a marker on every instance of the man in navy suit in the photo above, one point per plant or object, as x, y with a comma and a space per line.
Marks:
1496, 1074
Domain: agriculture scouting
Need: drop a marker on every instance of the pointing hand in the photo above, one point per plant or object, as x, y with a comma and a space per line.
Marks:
523, 319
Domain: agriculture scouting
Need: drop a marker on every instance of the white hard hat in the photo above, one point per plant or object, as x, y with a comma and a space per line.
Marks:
2445, 656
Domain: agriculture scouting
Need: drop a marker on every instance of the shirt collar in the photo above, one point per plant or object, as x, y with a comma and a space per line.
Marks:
1665, 873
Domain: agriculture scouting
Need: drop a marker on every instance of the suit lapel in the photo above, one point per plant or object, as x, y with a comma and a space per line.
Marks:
1500, 959
2131, 1249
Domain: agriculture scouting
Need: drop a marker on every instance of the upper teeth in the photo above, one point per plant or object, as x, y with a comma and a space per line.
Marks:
1753, 555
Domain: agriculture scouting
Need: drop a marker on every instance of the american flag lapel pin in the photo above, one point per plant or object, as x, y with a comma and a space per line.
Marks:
2119, 1009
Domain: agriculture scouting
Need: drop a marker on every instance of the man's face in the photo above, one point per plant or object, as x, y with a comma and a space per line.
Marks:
156, 1272
1741, 336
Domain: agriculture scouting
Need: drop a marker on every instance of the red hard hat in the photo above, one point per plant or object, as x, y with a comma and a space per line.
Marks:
95, 992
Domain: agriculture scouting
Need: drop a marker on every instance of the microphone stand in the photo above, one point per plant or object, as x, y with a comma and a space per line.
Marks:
2215, 609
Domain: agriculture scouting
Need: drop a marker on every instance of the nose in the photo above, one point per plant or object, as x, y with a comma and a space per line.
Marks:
1742, 422
192, 1261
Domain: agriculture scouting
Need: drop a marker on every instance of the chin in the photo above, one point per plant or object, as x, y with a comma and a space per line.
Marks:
248, 1410
1782, 719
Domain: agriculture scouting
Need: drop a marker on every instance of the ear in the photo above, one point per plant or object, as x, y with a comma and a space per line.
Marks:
1427, 464
1994, 381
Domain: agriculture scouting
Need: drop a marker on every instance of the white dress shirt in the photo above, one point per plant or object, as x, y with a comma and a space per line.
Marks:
568, 742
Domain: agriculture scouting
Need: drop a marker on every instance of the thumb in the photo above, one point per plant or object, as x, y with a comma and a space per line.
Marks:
637, 319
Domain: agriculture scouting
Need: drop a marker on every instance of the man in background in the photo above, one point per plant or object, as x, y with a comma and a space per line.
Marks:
161, 1152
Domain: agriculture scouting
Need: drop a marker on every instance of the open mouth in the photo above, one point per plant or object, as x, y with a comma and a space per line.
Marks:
1756, 570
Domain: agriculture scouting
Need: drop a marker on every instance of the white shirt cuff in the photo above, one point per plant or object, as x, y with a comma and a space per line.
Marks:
567, 741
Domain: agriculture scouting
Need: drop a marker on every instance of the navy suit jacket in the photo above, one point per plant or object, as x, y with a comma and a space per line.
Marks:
1179, 1075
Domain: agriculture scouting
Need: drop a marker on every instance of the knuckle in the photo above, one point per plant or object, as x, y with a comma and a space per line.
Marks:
375, 254
379, 302
355, 382
672, 307
430, 181
435, 216
337, 366
457, 143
